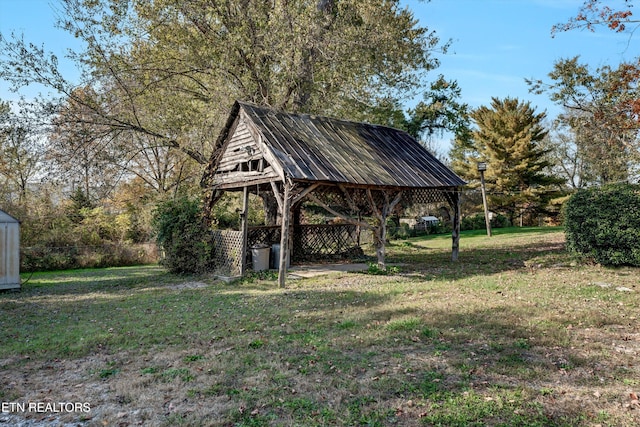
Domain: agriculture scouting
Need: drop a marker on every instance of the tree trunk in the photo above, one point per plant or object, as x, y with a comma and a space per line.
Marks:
380, 234
310, 54
381, 213
271, 212
454, 202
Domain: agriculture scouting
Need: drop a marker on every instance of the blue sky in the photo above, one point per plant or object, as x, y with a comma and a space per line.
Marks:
496, 43
35, 19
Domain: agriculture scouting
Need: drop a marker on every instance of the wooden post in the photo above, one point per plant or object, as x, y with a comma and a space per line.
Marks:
454, 201
381, 214
482, 166
380, 230
244, 223
284, 234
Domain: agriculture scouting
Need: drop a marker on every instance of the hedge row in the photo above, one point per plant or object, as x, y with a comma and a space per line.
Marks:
604, 224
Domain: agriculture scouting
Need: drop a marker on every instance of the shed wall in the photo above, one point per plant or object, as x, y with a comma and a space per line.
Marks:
9, 255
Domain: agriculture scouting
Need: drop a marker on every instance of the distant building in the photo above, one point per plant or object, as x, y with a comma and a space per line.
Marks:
9, 252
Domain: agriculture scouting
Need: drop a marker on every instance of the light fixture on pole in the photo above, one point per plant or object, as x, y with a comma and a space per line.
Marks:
482, 167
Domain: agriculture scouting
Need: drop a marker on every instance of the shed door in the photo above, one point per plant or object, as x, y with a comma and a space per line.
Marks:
3, 254
9, 254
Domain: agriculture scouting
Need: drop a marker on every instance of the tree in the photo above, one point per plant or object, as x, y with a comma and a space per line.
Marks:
615, 113
20, 151
165, 73
603, 111
171, 69
439, 112
5, 129
80, 151
594, 13
96, 157
567, 158
508, 138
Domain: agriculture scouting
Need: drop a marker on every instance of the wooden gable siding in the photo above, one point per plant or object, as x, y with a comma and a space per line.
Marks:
243, 159
321, 149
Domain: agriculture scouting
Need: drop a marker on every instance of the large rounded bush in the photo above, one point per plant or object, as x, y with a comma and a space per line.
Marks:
604, 224
183, 236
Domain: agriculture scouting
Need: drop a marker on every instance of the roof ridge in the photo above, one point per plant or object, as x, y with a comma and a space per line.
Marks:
319, 116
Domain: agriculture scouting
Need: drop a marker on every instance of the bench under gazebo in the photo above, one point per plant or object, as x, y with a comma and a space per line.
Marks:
353, 170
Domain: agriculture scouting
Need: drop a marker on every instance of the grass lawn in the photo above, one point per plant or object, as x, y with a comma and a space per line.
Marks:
516, 333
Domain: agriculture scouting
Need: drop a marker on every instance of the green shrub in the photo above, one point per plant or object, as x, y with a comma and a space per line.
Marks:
477, 222
500, 221
45, 258
604, 224
183, 236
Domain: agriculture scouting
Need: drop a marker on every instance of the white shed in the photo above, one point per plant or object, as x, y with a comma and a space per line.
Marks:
9, 252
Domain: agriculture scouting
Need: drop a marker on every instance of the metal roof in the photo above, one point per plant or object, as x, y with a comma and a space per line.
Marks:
314, 148
6, 218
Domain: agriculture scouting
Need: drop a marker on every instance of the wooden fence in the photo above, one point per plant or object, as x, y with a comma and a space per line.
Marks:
227, 247
310, 243
313, 241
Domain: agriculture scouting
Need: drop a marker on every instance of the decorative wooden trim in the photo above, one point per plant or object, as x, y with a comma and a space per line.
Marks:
249, 182
350, 201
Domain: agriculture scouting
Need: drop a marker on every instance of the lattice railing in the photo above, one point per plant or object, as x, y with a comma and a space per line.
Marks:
227, 250
267, 235
312, 242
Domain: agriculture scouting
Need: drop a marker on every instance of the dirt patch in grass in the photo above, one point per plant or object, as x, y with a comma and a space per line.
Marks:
516, 333
188, 285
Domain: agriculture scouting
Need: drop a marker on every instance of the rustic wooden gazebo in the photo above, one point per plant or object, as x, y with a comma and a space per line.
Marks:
353, 170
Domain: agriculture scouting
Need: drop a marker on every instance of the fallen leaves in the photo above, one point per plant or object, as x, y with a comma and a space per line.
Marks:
634, 403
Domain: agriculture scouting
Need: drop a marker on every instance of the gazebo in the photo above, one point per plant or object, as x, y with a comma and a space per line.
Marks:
353, 170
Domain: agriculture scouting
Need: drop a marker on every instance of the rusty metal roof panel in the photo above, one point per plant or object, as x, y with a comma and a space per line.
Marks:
314, 148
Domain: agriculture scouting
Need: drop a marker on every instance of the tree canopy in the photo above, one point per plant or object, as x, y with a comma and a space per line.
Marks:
595, 13
603, 110
159, 78
171, 69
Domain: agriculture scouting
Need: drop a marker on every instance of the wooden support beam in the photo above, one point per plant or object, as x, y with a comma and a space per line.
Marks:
276, 194
298, 197
284, 234
381, 213
454, 201
244, 218
314, 199
394, 203
348, 198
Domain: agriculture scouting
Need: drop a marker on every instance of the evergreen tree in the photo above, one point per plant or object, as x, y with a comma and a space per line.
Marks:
508, 137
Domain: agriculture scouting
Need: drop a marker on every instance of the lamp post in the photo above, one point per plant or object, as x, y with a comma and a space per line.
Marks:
482, 166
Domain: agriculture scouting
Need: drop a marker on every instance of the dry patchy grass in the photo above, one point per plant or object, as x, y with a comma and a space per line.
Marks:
516, 333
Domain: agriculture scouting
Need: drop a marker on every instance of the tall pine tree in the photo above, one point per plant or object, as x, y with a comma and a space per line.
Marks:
508, 138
